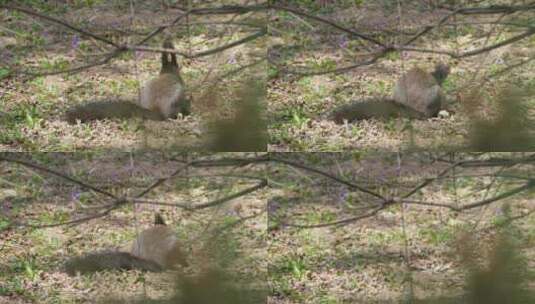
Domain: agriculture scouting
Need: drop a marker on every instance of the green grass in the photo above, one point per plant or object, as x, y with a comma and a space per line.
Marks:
437, 236
13, 285
52, 217
291, 265
4, 72
320, 217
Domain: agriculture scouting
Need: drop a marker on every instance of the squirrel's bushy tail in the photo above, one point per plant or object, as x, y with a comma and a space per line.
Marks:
108, 260
106, 109
372, 108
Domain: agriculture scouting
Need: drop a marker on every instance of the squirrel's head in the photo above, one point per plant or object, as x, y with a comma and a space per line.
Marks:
442, 71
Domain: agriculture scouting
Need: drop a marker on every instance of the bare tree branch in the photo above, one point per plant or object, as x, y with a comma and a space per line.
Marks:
325, 174
120, 201
3, 157
65, 24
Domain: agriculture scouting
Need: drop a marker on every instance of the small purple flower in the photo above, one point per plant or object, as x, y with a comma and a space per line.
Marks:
342, 196
231, 213
75, 42
343, 42
130, 168
6, 207
75, 195
232, 59
115, 175
273, 206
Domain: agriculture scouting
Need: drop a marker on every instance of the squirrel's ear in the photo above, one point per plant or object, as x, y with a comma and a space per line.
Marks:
158, 219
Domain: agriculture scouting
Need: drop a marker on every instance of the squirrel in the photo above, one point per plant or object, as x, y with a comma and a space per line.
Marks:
417, 94
160, 98
155, 249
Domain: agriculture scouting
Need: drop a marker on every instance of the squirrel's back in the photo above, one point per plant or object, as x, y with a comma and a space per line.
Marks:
421, 90
160, 98
159, 244
154, 249
417, 94
166, 93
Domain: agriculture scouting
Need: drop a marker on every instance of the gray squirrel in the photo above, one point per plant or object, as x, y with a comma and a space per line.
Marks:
160, 98
417, 94
155, 249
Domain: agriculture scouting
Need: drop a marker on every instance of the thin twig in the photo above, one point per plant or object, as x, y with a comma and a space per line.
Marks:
56, 173
65, 24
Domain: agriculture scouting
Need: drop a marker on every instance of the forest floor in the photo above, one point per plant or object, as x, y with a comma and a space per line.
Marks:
33, 107
32, 259
379, 259
366, 261
298, 103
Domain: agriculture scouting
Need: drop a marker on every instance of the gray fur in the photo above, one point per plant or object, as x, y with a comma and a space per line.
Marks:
161, 98
421, 91
154, 249
417, 94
